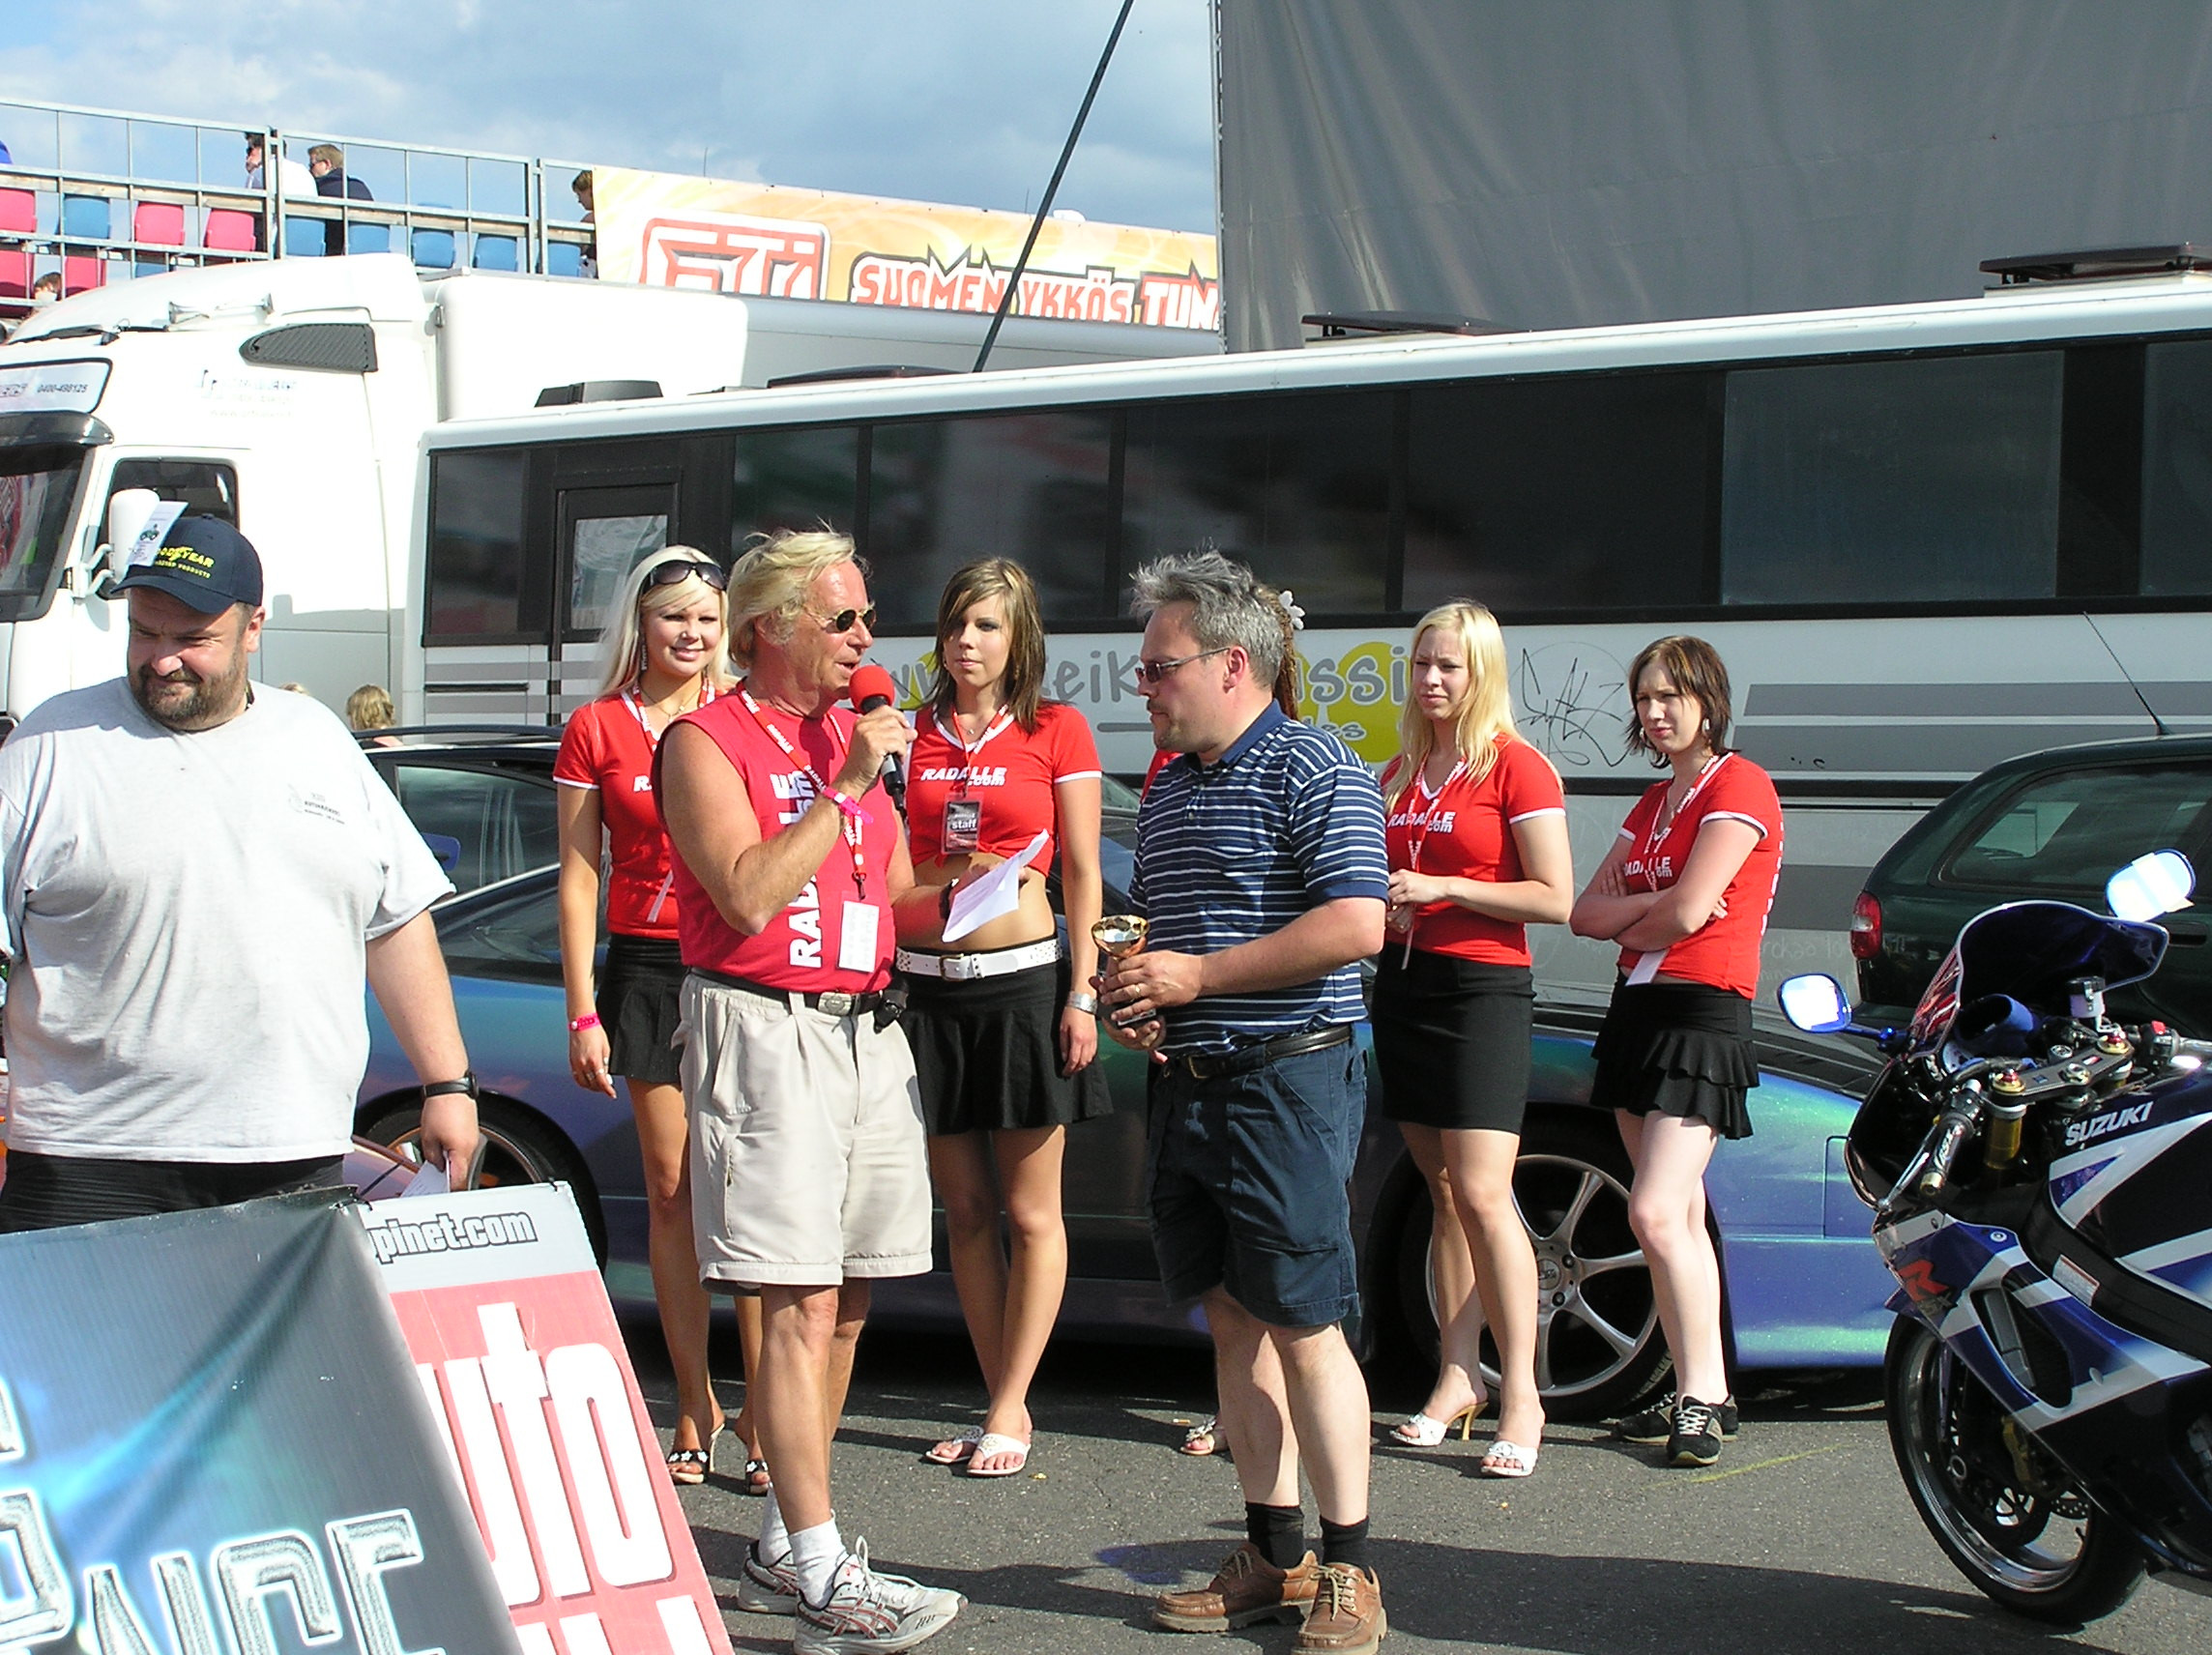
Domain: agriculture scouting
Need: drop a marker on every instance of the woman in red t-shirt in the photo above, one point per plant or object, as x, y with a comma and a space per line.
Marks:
1476, 829
1003, 1039
665, 654
1684, 890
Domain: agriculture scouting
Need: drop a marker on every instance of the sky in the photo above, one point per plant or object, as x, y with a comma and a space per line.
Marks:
963, 102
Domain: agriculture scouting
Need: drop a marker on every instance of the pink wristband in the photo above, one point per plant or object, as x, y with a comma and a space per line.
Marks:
577, 1025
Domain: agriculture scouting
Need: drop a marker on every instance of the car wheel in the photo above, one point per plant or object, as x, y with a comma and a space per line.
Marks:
518, 1149
1598, 1345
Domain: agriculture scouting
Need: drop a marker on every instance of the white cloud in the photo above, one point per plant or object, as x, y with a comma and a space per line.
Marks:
959, 100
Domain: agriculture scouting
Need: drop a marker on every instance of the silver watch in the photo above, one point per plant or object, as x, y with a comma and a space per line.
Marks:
1078, 1001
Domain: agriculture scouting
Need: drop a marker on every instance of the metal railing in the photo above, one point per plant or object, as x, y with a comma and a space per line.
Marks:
89, 196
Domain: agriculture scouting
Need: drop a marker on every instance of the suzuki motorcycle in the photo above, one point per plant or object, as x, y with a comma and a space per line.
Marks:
2041, 1179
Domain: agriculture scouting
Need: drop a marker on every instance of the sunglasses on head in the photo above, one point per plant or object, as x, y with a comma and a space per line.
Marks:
679, 569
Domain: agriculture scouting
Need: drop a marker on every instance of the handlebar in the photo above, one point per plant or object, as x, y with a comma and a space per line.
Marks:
1945, 1140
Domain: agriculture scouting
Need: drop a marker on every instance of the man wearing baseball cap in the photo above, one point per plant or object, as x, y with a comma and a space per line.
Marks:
196, 881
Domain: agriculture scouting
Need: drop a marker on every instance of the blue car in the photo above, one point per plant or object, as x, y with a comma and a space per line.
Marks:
1804, 1286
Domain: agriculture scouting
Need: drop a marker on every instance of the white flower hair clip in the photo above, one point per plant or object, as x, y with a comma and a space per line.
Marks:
1297, 614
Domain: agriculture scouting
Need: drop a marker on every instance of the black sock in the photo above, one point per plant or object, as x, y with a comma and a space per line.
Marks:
1279, 1531
1344, 1543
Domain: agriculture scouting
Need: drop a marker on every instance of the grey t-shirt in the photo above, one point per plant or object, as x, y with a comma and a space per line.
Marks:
186, 915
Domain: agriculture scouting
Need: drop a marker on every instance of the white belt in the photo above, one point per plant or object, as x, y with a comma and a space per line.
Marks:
967, 967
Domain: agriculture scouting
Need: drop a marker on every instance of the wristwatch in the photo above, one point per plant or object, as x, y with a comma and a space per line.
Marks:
465, 1087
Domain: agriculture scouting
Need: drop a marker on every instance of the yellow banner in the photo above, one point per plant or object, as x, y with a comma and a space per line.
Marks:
667, 230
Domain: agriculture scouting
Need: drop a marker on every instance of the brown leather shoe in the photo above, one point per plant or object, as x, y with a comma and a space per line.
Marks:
1347, 1617
1246, 1588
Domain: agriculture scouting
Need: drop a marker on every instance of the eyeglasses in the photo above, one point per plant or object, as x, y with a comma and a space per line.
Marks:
677, 570
842, 621
1153, 672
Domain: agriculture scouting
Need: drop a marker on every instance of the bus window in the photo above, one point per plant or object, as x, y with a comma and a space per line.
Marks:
1586, 493
2178, 468
1028, 486
206, 489
38, 485
1298, 487
475, 547
1892, 482
607, 532
793, 480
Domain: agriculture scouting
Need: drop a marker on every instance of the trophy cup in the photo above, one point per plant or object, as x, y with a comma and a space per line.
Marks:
1120, 935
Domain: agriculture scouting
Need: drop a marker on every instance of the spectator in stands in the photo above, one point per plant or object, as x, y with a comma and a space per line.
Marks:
47, 288
292, 179
581, 183
327, 161
6, 159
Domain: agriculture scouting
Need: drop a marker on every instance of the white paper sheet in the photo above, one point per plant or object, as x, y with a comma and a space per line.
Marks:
429, 1180
990, 894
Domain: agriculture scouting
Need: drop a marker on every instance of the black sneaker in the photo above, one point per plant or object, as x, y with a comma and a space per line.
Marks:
1656, 1423
1696, 1439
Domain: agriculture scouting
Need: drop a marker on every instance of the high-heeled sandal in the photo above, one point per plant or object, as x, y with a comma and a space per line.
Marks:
1419, 1431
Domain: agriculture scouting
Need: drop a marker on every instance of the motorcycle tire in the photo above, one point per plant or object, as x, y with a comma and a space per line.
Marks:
1989, 1529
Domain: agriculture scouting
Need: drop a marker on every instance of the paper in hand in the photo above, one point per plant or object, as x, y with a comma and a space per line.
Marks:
990, 894
429, 1180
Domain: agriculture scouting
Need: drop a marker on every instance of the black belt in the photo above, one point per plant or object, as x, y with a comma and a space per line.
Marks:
1211, 1066
835, 1002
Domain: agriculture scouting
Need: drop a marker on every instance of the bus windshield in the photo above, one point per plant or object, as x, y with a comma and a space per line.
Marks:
36, 487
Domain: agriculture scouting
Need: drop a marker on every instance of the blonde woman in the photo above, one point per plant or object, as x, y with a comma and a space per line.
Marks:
1478, 838
666, 654
1003, 1022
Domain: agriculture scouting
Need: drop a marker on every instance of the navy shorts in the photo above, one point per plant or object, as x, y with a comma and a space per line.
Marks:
1247, 1174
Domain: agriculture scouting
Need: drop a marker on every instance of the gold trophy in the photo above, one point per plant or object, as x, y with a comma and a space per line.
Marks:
1120, 935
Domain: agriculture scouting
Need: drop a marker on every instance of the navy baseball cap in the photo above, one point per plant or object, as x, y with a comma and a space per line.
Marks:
202, 562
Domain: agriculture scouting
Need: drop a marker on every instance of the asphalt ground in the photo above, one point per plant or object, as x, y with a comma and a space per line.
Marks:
1800, 1542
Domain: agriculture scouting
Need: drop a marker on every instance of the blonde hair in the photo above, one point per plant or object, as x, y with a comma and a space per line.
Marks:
330, 155
769, 586
622, 648
1484, 713
368, 707
1008, 582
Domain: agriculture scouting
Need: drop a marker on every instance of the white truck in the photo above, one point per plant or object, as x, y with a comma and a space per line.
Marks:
293, 398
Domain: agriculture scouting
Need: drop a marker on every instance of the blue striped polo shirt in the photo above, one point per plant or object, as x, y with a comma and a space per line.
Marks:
1286, 819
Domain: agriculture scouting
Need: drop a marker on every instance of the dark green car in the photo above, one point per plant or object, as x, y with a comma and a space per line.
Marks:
2051, 826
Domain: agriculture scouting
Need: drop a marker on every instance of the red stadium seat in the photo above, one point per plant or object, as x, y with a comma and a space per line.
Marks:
160, 223
229, 231
19, 212
14, 274
81, 273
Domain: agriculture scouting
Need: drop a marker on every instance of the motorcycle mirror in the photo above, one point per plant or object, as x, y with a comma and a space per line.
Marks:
1815, 1002
2160, 883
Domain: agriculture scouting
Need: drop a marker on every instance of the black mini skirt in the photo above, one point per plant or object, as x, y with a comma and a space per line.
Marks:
1681, 1049
1452, 1040
640, 989
986, 1052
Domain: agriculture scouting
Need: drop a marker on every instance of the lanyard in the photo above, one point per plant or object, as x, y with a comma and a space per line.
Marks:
636, 705
854, 819
1659, 830
952, 729
1417, 827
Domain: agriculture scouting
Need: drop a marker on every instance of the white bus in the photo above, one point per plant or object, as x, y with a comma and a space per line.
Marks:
291, 397
1923, 538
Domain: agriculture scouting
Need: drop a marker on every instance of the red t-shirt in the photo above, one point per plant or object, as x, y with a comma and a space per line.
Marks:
607, 749
1723, 953
1011, 773
1466, 831
803, 947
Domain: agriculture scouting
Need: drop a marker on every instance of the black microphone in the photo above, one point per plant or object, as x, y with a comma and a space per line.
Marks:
872, 687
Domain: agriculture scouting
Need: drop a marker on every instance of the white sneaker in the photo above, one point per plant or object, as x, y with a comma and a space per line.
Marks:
767, 1588
869, 1612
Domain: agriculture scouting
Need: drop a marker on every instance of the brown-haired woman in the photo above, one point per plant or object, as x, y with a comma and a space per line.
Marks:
1002, 1041
1684, 890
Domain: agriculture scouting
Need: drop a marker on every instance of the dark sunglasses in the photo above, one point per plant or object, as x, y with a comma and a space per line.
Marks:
842, 621
677, 570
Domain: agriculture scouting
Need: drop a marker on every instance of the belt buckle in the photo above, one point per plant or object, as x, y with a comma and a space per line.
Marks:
961, 968
836, 1002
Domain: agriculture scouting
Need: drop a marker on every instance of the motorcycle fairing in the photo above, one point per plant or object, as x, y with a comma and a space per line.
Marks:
2031, 950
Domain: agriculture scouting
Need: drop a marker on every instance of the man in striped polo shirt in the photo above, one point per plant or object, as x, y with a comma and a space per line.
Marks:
1260, 864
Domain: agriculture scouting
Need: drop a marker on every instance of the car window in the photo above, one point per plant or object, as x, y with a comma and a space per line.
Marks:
483, 824
514, 936
2068, 831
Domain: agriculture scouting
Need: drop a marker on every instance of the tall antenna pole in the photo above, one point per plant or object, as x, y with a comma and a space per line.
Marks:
1045, 207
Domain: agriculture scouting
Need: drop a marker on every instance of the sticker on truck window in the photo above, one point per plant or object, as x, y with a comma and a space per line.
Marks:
53, 387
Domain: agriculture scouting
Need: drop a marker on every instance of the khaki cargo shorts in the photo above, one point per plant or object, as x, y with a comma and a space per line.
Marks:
809, 1162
